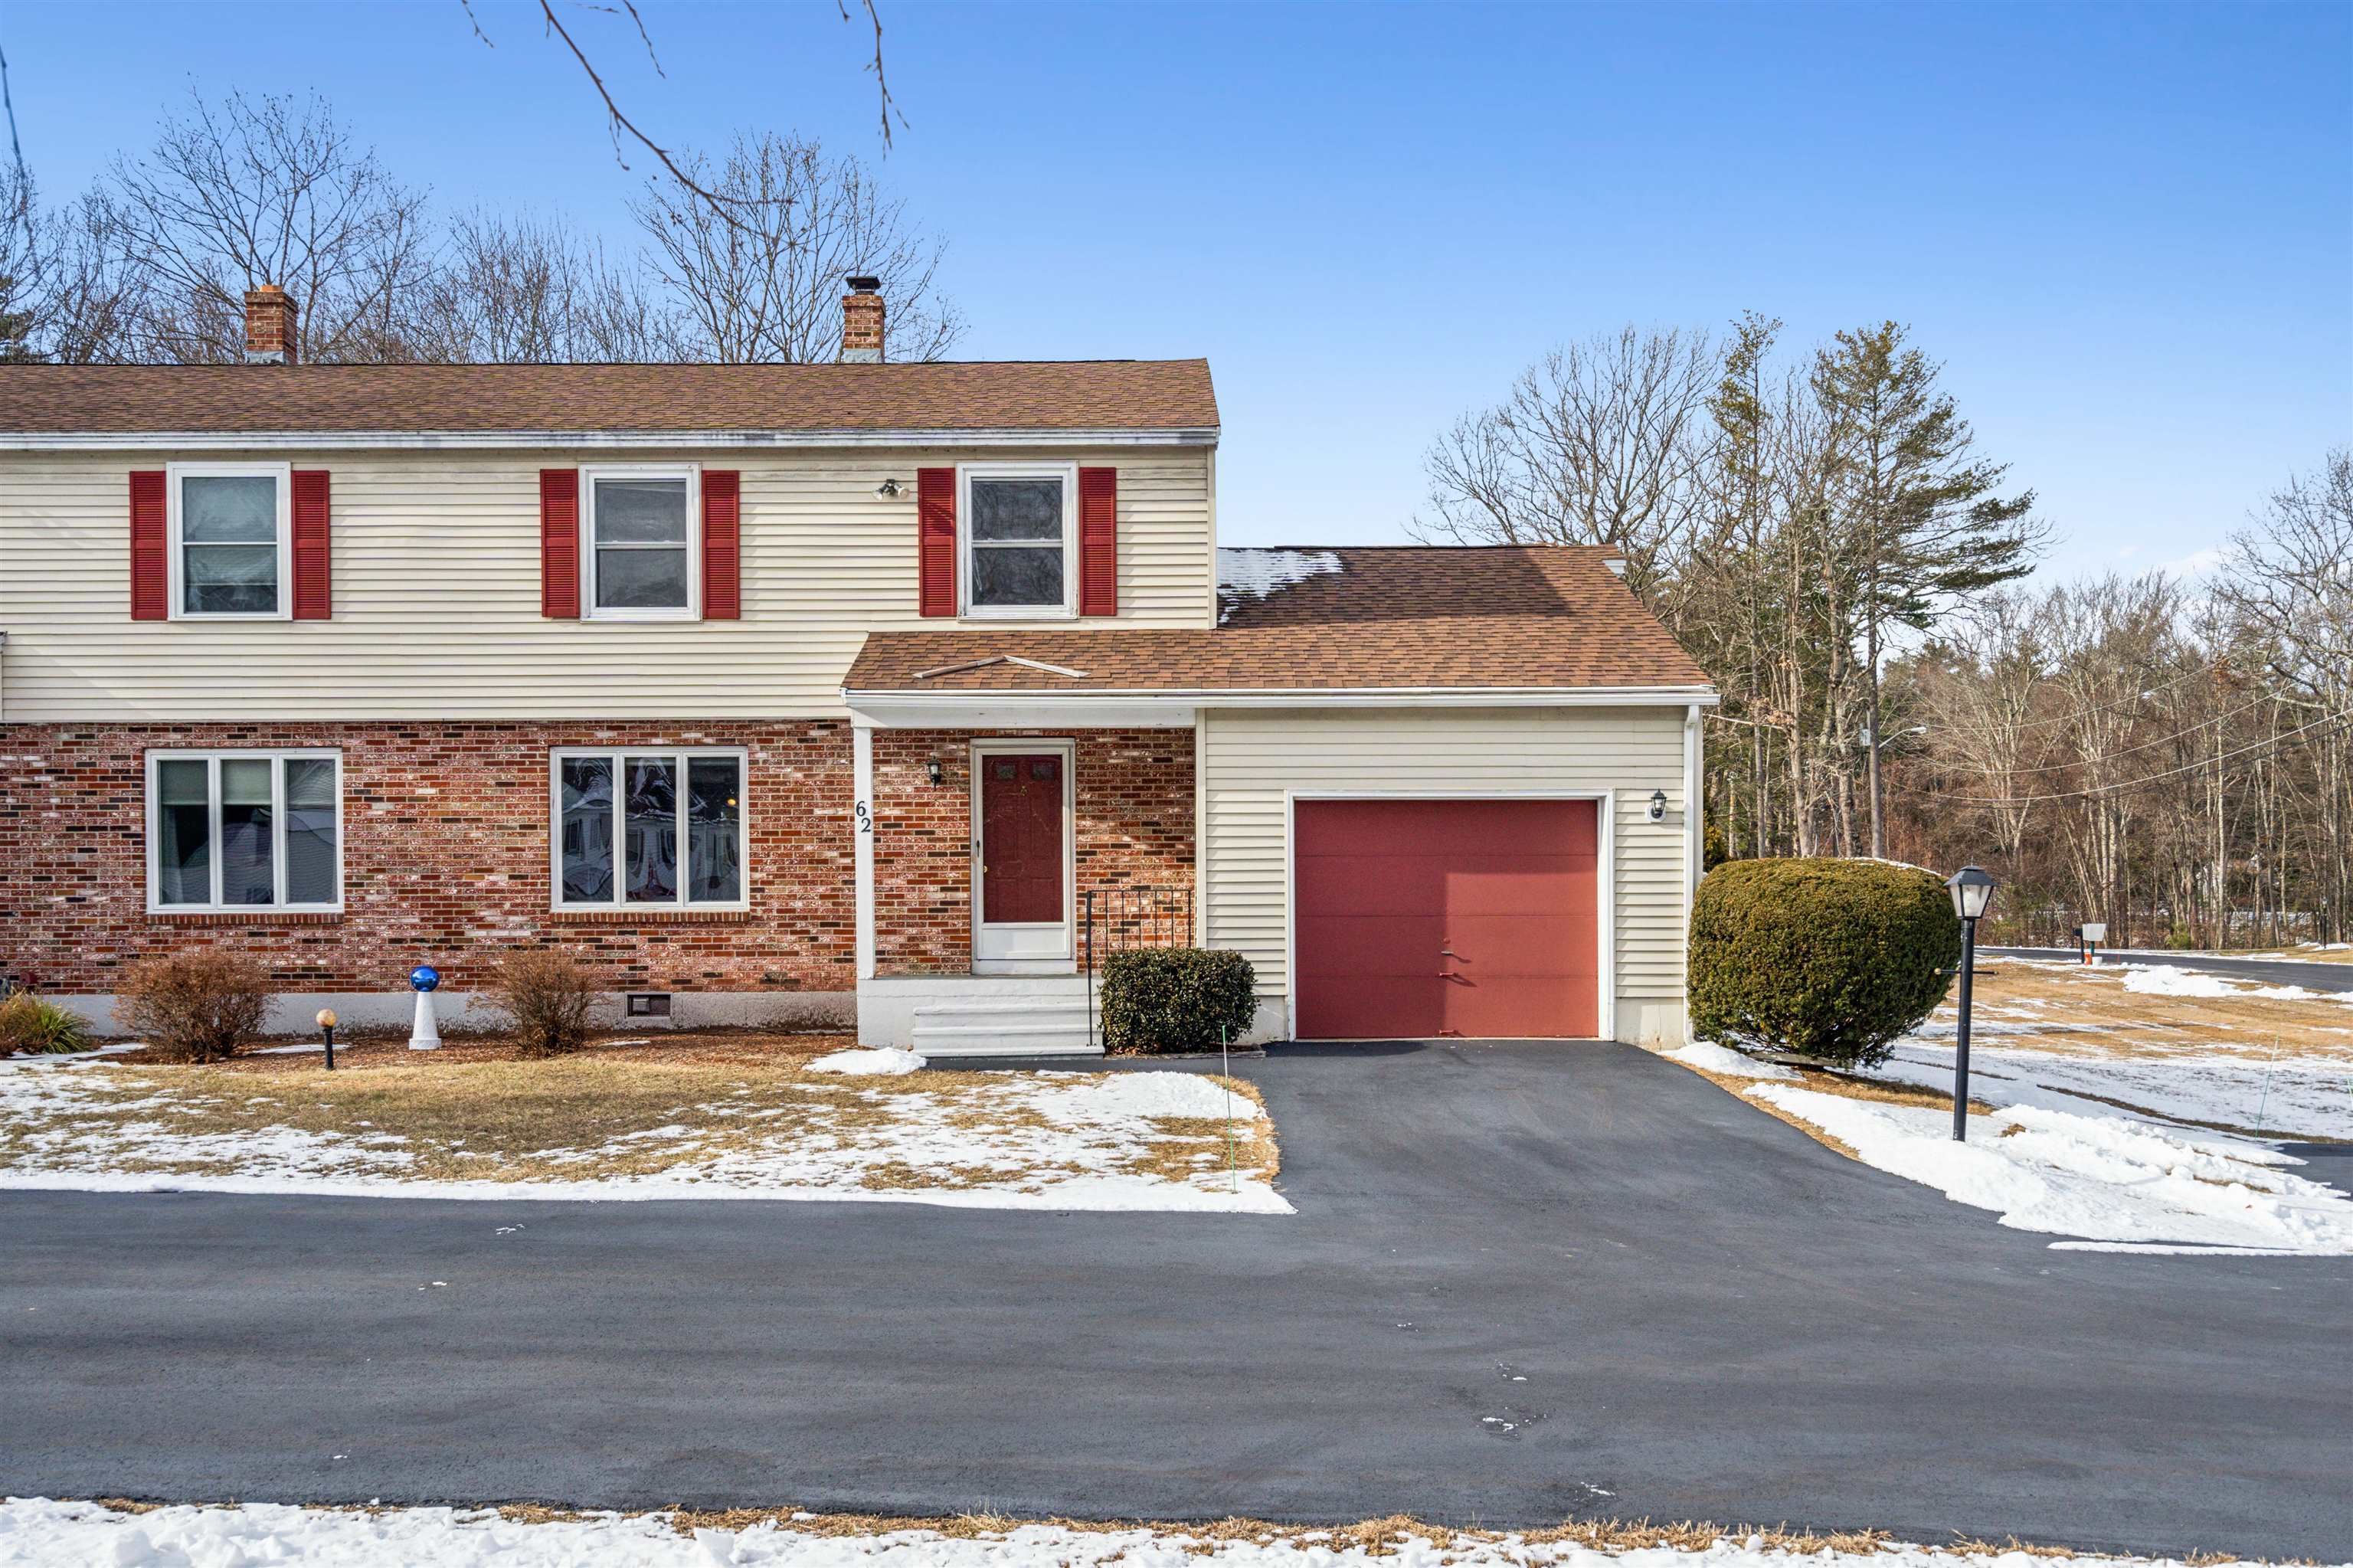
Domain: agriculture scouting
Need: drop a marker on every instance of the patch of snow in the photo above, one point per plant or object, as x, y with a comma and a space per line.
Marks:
39, 1533
1160, 1093
886, 1061
1260, 574
2202, 1081
1710, 1057
2096, 1178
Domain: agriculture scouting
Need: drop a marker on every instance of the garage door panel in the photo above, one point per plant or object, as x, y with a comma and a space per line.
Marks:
1427, 916
1486, 946
1374, 1010
1346, 946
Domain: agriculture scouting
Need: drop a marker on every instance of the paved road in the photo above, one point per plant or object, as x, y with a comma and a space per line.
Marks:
1524, 1281
2271, 972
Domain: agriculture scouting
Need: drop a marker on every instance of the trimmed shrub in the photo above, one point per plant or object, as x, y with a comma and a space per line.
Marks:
39, 1028
1177, 998
1834, 959
196, 1006
546, 996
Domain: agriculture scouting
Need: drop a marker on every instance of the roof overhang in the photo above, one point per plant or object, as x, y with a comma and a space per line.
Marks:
1002, 709
461, 440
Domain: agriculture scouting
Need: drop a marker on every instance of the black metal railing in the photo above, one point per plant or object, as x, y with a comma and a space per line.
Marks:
1124, 917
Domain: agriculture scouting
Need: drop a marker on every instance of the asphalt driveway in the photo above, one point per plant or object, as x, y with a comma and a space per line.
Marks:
2305, 972
1524, 1281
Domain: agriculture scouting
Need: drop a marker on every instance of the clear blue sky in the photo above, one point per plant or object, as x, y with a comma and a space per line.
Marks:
2127, 230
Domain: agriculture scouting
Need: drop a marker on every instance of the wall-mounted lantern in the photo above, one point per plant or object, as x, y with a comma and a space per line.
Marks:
1658, 805
931, 769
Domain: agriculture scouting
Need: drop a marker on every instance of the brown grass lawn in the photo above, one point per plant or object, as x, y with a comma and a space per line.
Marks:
2086, 1010
471, 1111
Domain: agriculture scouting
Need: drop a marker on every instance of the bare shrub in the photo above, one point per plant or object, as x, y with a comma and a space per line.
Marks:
195, 1006
546, 996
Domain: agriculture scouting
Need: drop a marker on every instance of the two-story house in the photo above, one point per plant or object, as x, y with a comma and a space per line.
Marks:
865, 691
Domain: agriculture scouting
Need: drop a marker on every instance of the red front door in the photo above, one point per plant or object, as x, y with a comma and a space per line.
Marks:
1020, 838
1415, 918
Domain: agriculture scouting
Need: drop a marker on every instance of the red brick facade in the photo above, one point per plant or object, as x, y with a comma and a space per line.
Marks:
444, 859
1133, 796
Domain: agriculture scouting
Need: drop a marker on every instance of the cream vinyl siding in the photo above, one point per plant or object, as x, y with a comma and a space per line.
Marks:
1251, 758
436, 591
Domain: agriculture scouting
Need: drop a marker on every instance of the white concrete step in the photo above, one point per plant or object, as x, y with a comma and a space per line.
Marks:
1015, 1026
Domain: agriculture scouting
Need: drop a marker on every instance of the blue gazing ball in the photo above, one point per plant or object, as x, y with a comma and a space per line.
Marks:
425, 976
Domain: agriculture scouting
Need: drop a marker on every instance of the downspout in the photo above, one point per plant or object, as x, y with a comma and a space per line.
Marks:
1694, 841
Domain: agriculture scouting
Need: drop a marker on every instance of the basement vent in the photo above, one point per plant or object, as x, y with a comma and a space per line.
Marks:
648, 1005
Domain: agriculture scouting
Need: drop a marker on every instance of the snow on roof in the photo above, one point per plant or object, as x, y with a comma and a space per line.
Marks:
1260, 574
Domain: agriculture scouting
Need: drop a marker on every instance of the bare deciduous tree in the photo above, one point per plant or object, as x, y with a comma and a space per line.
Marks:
242, 191
534, 291
1601, 443
762, 283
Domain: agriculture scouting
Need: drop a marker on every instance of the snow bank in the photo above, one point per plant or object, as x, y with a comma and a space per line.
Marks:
2094, 1176
887, 1062
1710, 1057
38, 1533
2172, 979
2245, 1085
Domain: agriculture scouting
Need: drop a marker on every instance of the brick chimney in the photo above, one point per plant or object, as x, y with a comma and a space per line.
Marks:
861, 322
269, 312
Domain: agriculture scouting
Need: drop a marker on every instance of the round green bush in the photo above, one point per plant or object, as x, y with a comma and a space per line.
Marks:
1834, 959
1177, 998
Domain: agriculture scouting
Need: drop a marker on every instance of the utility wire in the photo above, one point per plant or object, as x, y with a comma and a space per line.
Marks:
2143, 696
2129, 783
2144, 746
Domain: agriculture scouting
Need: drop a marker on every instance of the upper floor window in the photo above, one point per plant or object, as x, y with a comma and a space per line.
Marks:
1020, 537
230, 540
641, 543
648, 827
244, 830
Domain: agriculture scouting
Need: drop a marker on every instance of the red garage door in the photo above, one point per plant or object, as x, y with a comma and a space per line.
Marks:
1414, 918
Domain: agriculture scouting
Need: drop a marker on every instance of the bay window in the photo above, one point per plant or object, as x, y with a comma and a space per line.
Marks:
648, 827
244, 830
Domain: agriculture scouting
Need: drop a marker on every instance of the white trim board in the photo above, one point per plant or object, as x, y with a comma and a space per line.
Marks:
1605, 876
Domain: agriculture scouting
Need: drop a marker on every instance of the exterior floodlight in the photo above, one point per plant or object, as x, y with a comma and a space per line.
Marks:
1972, 890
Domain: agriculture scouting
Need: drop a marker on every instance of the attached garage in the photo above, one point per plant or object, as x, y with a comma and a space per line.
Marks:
1471, 917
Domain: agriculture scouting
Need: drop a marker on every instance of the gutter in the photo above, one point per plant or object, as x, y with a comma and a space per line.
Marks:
492, 440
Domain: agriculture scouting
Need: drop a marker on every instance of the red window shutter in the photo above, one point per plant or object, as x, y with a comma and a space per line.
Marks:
559, 543
1098, 541
151, 550
722, 549
936, 508
314, 578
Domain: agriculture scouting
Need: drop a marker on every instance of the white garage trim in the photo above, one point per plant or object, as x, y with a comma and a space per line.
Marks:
1605, 892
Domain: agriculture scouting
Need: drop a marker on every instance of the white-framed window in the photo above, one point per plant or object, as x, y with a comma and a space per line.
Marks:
641, 541
245, 830
1018, 551
648, 827
231, 540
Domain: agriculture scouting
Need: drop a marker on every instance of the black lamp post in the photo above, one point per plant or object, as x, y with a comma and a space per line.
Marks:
1972, 890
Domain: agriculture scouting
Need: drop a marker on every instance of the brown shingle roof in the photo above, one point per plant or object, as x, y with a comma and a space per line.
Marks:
1421, 616
1111, 393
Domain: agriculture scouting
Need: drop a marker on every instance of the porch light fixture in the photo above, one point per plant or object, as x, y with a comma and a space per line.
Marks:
1972, 891
1658, 805
889, 490
931, 769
